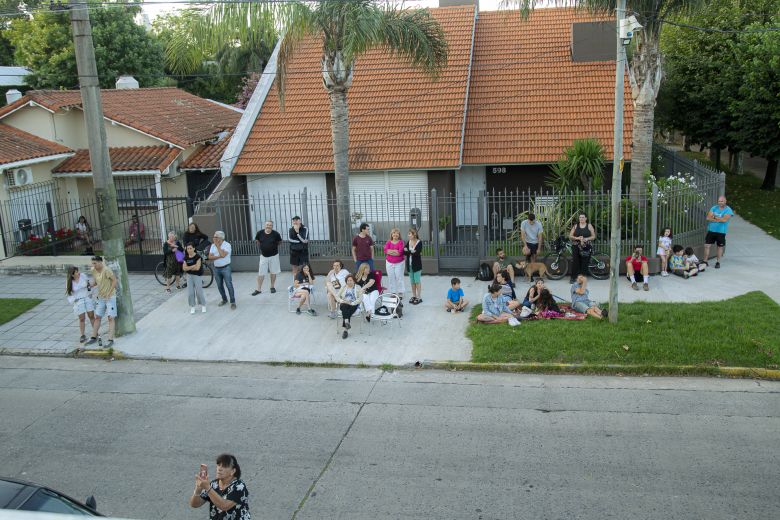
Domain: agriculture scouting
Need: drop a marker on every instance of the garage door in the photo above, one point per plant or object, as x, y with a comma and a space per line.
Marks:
389, 196
279, 198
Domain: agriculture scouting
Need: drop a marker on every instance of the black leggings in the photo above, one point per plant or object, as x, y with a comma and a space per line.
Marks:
579, 263
347, 311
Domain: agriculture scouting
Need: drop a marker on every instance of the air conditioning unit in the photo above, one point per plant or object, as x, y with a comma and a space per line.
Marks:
22, 176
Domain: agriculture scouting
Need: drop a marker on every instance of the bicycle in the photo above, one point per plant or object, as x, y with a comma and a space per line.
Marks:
557, 262
207, 276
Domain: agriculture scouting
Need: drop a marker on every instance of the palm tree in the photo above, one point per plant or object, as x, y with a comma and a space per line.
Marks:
645, 70
348, 29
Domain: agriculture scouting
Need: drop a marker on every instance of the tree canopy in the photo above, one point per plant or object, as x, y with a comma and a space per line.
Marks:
44, 43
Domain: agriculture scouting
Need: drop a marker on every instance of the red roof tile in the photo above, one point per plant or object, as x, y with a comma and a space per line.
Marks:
528, 101
207, 158
17, 145
124, 159
399, 117
170, 114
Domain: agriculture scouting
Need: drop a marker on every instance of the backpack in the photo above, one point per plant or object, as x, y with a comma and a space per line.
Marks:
485, 274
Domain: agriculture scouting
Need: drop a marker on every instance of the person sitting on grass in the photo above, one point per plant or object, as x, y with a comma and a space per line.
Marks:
532, 296
580, 299
455, 301
545, 304
678, 265
507, 286
497, 308
637, 263
502, 263
692, 259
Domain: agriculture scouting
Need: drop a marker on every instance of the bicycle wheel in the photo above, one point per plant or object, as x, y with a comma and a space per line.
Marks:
557, 266
599, 267
159, 273
208, 276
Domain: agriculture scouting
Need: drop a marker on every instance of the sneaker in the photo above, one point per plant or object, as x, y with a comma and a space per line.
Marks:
232, 306
223, 302
192, 310
311, 312
449, 310
82, 339
298, 310
686, 274
717, 265
368, 318
109, 343
91, 341
344, 335
347, 325
513, 322
256, 292
634, 286
664, 273
605, 313
419, 301
203, 310
332, 315
646, 287
273, 290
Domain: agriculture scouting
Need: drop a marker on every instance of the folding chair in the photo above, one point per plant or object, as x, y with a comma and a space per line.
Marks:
293, 300
386, 309
358, 317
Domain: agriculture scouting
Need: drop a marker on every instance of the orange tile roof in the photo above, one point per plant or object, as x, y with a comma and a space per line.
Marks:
399, 117
124, 159
207, 158
17, 145
528, 101
170, 114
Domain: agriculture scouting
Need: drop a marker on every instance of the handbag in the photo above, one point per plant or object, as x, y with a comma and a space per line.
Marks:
179, 254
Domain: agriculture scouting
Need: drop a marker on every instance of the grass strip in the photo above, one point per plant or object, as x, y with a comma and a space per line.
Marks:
739, 332
757, 206
10, 308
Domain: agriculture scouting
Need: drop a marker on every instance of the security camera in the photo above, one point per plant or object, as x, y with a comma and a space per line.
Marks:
627, 28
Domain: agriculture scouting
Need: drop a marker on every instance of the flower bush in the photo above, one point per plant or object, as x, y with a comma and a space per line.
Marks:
675, 188
41, 245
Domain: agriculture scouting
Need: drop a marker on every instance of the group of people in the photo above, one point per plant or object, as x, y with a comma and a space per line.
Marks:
93, 298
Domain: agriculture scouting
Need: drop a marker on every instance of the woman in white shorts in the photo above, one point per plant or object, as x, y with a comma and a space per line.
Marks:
77, 290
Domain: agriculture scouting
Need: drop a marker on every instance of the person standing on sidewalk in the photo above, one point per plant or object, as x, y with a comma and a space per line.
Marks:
77, 289
220, 253
226, 495
413, 252
193, 268
532, 235
582, 235
363, 248
717, 226
269, 241
394, 263
299, 245
105, 305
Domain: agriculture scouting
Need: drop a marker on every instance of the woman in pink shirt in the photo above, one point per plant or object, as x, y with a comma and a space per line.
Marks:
394, 261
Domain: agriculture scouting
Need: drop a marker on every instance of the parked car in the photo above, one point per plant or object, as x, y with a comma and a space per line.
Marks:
24, 496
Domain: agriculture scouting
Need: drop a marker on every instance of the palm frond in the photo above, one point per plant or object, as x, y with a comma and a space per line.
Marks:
415, 35
299, 23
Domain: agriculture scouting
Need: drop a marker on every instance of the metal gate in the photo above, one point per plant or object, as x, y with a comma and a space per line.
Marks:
460, 221
146, 223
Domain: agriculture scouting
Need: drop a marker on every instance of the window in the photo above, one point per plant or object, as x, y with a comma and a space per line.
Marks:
46, 501
136, 192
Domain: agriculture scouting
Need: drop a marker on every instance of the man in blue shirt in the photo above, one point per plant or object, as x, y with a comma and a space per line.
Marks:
717, 227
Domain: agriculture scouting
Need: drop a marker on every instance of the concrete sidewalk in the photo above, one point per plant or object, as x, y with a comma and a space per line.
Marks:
262, 329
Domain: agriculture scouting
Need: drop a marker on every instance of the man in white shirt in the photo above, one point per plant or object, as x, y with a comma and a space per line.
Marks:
219, 253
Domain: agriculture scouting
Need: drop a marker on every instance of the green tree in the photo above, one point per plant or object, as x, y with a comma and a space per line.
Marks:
347, 28
580, 168
645, 71
44, 44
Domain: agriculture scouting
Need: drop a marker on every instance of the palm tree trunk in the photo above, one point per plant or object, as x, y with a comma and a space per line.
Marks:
339, 128
642, 132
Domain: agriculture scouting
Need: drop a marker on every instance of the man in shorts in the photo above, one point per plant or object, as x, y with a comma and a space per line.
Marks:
532, 235
637, 264
269, 241
502, 263
299, 245
717, 227
105, 305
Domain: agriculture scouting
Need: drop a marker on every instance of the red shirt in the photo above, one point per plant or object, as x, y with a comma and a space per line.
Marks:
636, 263
362, 247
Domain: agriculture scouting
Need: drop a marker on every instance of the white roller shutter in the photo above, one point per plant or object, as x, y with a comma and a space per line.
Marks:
279, 198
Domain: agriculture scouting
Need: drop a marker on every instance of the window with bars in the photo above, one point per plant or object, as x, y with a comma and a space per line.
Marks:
138, 192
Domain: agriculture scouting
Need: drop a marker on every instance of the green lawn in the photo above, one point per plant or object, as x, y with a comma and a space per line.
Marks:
759, 207
10, 308
743, 331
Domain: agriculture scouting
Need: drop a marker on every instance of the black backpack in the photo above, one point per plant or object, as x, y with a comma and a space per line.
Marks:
485, 274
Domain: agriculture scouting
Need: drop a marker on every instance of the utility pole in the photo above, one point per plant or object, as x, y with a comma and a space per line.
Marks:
105, 193
617, 165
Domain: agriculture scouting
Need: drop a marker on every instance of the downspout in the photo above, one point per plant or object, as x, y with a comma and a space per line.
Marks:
468, 86
160, 208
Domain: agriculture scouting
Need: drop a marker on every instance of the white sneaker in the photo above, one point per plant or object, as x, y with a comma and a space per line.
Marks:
204, 309
192, 310
513, 322
664, 273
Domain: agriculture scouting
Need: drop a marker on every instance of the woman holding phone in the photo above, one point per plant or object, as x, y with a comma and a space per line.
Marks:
227, 494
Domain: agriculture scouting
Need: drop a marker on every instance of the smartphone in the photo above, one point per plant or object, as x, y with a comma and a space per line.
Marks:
204, 471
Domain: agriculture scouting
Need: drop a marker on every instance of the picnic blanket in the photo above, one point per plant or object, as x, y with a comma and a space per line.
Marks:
567, 313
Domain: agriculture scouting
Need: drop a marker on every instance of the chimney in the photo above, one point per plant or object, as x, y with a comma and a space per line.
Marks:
12, 95
126, 82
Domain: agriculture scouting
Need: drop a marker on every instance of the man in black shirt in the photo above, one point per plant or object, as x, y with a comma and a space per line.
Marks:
269, 241
299, 245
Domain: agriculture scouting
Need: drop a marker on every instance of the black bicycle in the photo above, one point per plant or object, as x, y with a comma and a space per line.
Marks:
557, 262
207, 276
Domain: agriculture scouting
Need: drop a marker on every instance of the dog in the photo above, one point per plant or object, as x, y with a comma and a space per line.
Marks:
533, 267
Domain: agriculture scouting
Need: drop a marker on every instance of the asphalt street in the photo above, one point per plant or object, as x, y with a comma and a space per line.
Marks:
369, 444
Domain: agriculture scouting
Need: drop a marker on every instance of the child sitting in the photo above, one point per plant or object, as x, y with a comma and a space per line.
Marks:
679, 265
455, 301
692, 259
507, 286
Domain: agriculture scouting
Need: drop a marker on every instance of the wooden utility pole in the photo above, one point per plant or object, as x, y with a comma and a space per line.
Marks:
112, 235
617, 166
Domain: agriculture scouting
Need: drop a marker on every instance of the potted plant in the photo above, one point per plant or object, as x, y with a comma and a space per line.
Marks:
443, 223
